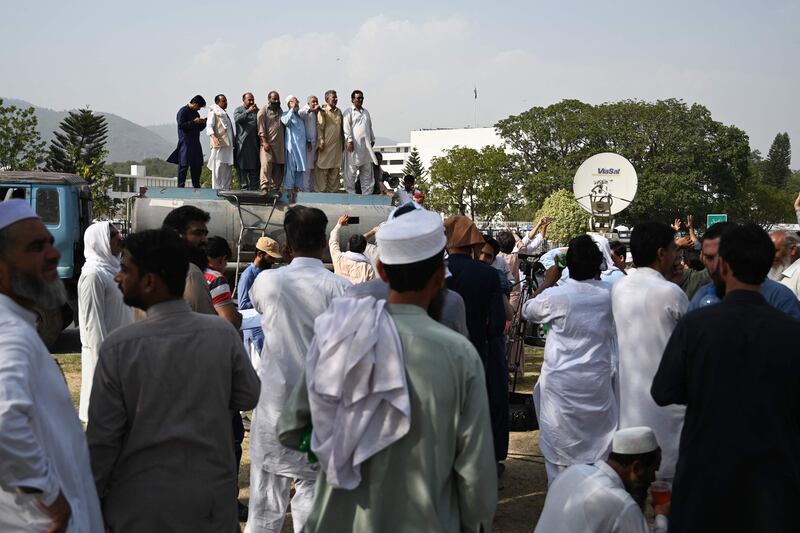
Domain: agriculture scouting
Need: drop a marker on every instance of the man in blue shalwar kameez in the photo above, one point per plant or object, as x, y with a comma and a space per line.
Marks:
189, 153
295, 140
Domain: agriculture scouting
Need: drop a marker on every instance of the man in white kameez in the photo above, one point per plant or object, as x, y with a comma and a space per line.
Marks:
45, 475
309, 115
359, 139
289, 300
574, 398
220, 132
646, 309
100, 306
607, 496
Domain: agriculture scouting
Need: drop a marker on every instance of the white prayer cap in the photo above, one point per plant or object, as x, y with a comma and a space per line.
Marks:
14, 210
635, 440
411, 238
289, 98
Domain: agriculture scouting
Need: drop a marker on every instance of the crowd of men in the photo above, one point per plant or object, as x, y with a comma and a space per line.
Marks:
379, 390
303, 148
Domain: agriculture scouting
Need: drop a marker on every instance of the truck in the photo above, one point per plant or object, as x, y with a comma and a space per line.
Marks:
241, 217
63, 201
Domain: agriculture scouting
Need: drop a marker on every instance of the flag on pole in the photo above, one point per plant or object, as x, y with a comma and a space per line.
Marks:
475, 91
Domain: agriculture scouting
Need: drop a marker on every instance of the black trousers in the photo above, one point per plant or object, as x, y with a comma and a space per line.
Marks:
248, 178
238, 437
196, 169
497, 390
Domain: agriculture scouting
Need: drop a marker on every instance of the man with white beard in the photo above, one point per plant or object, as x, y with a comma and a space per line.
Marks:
100, 306
783, 259
46, 481
791, 276
309, 114
220, 132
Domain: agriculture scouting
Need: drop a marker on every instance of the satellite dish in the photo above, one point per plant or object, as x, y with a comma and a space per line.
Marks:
605, 184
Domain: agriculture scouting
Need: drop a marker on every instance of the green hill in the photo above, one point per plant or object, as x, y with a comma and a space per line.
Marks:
127, 141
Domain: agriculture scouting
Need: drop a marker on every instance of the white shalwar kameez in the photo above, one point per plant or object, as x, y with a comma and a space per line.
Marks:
357, 125
220, 161
647, 308
100, 306
310, 119
289, 300
593, 499
575, 400
42, 444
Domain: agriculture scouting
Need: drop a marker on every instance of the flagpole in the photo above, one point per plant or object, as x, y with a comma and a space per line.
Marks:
475, 93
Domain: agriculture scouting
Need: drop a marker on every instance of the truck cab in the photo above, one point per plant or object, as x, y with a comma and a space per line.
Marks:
63, 201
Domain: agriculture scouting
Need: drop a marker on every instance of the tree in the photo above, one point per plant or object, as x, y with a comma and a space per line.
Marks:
778, 161
568, 218
100, 179
79, 148
413, 166
685, 161
470, 182
81, 141
21, 146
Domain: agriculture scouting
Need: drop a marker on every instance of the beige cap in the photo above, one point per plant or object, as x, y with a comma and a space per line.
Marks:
635, 440
269, 246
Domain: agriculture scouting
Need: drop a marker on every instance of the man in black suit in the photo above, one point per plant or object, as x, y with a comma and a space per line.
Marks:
479, 286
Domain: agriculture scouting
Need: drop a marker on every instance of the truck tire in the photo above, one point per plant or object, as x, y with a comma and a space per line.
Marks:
49, 324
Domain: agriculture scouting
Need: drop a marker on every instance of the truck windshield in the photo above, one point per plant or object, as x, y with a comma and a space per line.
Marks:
47, 205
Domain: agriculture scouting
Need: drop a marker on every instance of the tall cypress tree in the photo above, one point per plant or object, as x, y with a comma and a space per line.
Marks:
80, 142
413, 166
778, 160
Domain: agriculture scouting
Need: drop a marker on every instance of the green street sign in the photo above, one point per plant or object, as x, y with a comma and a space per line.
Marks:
713, 219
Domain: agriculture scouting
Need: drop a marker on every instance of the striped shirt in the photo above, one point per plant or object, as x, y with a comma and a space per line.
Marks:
219, 288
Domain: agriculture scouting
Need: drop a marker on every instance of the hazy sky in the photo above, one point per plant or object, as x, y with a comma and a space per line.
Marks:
416, 61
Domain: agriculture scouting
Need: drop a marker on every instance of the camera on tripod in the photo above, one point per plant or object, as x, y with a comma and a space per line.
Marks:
530, 265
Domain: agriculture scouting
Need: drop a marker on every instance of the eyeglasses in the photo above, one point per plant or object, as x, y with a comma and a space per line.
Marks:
359, 98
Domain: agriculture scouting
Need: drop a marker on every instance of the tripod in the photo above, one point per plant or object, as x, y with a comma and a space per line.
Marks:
531, 267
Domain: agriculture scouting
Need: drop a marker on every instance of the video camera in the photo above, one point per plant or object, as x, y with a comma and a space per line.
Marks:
530, 265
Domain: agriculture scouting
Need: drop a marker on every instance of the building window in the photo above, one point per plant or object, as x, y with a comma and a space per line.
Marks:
47, 205
395, 162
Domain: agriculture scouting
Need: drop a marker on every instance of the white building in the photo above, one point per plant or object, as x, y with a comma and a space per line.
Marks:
128, 185
434, 143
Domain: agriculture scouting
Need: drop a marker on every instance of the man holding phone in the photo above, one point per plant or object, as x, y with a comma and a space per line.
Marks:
354, 264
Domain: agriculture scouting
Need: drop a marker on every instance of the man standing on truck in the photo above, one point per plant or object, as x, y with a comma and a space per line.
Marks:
189, 154
45, 475
331, 143
220, 133
247, 143
270, 133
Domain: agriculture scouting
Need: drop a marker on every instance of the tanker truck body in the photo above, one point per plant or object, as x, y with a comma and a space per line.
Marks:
259, 215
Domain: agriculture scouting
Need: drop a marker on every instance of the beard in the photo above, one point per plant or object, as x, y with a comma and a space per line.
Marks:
437, 305
775, 273
46, 295
275, 106
638, 492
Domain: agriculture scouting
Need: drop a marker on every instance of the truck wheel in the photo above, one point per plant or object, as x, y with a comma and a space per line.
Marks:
50, 324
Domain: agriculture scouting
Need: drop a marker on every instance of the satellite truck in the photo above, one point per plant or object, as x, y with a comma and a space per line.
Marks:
604, 185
